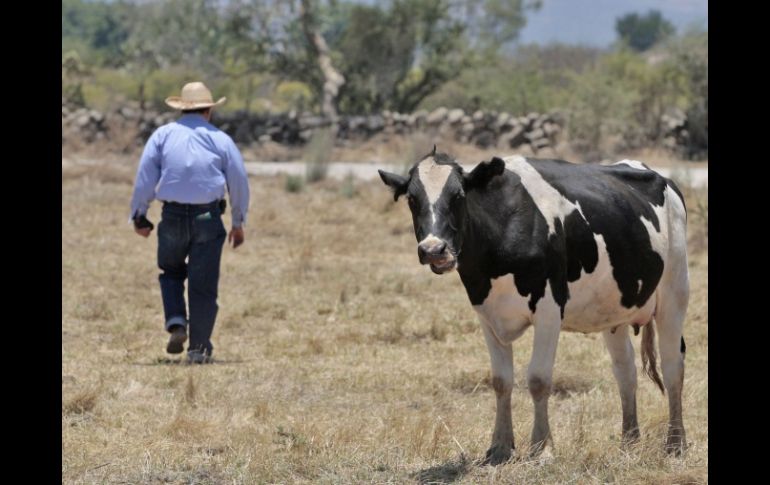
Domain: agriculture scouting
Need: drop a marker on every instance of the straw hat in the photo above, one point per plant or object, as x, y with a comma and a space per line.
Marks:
194, 96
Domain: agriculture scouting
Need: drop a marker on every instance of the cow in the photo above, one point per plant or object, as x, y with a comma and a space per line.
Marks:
559, 246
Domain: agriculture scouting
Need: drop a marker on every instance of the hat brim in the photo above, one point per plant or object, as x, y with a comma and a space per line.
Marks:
176, 102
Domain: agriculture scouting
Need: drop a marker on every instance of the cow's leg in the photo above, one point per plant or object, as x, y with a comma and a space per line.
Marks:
623, 366
540, 372
672, 295
502, 381
669, 320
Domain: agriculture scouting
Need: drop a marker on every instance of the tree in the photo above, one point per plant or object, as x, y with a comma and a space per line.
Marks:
175, 33
392, 54
377, 50
441, 52
690, 57
355, 56
492, 24
246, 44
73, 72
95, 30
641, 32
333, 80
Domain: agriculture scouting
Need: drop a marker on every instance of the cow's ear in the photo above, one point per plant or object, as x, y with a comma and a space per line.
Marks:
396, 182
484, 172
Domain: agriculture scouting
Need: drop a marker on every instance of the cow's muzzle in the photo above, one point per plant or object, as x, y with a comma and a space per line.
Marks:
436, 253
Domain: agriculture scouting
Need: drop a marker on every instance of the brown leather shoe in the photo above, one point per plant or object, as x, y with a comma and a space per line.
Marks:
176, 340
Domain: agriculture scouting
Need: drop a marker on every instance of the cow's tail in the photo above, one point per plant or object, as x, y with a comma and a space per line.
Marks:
649, 356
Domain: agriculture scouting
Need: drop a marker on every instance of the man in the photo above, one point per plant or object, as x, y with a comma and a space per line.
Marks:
186, 164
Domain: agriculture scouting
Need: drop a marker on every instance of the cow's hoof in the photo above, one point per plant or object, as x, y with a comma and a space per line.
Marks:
497, 455
676, 444
631, 437
536, 448
545, 457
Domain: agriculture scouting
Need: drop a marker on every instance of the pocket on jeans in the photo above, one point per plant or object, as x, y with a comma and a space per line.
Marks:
170, 228
208, 227
172, 243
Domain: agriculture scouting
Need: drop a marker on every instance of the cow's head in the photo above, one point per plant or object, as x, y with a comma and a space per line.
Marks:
436, 188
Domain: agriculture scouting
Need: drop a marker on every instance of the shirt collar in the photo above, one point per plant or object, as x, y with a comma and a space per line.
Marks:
192, 119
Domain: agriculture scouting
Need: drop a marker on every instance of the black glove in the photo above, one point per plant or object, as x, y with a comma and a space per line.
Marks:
141, 222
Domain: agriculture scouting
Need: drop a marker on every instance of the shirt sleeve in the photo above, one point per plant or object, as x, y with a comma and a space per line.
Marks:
147, 177
237, 183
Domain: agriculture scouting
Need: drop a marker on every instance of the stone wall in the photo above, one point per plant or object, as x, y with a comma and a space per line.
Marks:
130, 127
484, 129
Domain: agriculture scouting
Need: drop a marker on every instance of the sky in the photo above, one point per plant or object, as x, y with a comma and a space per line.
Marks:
592, 22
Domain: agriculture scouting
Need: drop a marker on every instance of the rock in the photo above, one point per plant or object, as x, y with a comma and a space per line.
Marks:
311, 122
96, 116
375, 123
669, 142
418, 118
540, 143
455, 116
437, 116
127, 113
513, 138
551, 129
535, 134
306, 135
502, 121
485, 139
355, 123
242, 133
541, 120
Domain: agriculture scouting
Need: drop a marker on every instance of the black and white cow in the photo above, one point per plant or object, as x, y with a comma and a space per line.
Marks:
559, 246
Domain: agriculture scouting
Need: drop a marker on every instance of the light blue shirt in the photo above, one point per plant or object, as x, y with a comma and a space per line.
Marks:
191, 161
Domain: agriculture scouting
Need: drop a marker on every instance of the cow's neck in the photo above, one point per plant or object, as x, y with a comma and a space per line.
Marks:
490, 213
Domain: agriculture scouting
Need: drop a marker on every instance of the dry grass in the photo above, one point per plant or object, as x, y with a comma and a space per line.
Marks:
339, 359
81, 403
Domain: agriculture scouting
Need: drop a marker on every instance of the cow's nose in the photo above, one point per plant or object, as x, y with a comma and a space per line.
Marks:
426, 251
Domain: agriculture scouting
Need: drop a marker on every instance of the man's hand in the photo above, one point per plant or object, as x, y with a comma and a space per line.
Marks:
236, 237
143, 231
143, 226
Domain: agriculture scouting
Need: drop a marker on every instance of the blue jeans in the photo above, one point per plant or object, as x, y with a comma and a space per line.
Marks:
194, 233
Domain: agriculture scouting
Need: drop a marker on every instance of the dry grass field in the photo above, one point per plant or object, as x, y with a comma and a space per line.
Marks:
339, 359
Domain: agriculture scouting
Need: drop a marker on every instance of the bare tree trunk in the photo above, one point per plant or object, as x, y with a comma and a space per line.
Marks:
333, 79
141, 95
